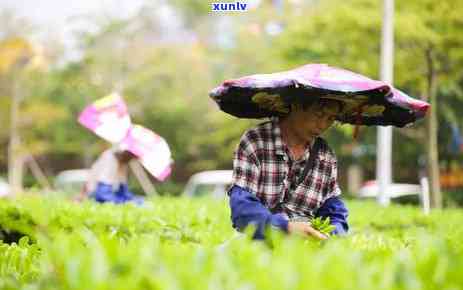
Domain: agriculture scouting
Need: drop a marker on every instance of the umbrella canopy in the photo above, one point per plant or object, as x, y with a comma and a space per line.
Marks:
108, 118
366, 101
151, 149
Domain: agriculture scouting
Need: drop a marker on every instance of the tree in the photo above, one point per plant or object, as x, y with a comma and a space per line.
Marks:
17, 56
428, 50
431, 46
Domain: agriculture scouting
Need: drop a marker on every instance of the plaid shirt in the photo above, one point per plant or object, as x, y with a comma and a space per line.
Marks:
263, 166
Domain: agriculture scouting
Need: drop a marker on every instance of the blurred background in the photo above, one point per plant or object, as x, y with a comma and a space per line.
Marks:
164, 57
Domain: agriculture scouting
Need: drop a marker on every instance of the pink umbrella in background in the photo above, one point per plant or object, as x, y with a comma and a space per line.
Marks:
151, 149
366, 101
109, 119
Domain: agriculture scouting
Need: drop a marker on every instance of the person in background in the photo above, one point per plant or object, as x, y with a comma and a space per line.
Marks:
108, 177
285, 174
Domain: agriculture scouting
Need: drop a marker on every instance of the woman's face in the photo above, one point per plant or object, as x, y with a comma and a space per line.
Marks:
313, 121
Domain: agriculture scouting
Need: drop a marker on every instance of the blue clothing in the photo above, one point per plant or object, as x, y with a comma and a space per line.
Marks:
104, 193
247, 209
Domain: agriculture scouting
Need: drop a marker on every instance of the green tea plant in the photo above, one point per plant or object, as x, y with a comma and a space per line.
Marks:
18, 262
181, 243
323, 225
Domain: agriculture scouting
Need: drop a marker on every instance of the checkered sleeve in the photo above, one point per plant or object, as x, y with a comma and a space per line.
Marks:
333, 185
246, 166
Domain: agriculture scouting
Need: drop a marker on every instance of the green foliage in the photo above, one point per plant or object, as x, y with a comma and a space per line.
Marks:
19, 263
191, 10
426, 40
180, 243
322, 225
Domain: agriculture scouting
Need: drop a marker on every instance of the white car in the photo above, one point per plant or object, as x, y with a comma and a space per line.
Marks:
4, 187
71, 181
371, 189
213, 183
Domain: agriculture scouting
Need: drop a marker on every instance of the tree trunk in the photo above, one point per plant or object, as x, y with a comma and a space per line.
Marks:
15, 156
431, 128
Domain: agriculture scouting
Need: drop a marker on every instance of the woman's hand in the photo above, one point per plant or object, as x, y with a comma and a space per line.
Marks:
306, 229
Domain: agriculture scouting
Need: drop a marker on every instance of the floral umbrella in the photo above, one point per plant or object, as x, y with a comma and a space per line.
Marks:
366, 101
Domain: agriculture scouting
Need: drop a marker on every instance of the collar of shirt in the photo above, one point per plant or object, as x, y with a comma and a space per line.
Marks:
280, 147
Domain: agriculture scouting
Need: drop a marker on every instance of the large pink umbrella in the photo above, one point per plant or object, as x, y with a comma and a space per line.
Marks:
366, 101
108, 118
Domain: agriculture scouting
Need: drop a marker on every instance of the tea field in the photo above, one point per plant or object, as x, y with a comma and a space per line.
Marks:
180, 243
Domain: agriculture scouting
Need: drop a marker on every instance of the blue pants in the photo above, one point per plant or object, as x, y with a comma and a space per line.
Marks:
104, 193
